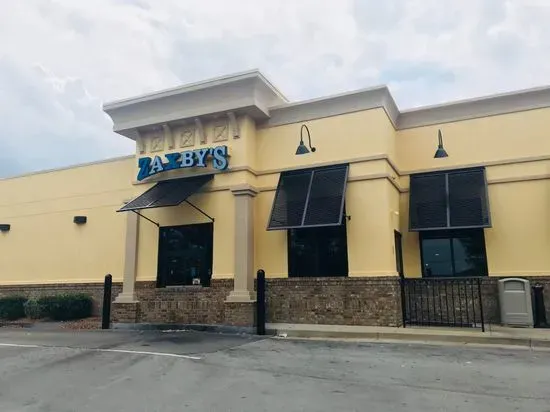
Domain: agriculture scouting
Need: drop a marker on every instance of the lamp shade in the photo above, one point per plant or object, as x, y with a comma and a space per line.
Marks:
302, 149
440, 152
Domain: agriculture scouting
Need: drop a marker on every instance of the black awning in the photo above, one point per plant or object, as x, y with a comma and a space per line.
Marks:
309, 198
167, 193
457, 199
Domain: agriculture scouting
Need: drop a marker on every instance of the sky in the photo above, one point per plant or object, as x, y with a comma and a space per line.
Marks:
60, 60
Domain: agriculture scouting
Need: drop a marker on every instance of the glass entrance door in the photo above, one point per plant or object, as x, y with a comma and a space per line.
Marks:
185, 255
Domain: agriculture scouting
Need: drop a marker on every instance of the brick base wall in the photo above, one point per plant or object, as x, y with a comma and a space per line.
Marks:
240, 314
185, 305
342, 300
93, 289
372, 301
125, 312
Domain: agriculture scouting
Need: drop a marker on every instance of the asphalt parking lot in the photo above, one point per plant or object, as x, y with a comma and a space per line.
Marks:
198, 371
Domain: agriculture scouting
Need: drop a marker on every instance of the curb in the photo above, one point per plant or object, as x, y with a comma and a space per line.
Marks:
184, 326
417, 337
16, 325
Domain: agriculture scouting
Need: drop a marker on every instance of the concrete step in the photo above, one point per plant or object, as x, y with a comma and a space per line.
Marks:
494, 335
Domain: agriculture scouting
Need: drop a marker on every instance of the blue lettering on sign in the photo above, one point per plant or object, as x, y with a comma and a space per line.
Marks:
201, 156
220, 158
156, 166
189, 158
173, 161
144, 164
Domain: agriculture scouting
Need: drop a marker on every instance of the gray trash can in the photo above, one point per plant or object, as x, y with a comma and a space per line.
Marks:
515, 302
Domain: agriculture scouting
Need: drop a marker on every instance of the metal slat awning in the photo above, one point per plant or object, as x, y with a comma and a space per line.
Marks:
309, 198
454, 199
168, 193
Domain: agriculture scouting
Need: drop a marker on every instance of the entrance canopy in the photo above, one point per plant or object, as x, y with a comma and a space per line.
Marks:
167, 193
309, 198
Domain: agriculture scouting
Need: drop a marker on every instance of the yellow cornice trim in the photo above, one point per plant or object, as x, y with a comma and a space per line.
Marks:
504, 162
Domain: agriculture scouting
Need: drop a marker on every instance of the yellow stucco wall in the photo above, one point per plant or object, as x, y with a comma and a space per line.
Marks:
519, 239
514, 149
44, 244
340, 138
507, 137
370, 234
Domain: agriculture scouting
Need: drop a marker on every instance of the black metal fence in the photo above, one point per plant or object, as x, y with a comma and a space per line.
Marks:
452, 302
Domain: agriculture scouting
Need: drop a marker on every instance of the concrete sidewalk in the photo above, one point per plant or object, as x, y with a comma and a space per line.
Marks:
493, 335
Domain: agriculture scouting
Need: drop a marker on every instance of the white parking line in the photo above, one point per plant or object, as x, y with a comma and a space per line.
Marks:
17, 345
172, 355
136, 352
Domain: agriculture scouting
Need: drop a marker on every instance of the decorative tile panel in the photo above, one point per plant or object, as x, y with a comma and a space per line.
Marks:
185, 135
220, 130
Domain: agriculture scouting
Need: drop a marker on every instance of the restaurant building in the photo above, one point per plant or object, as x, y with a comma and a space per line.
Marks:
335, 198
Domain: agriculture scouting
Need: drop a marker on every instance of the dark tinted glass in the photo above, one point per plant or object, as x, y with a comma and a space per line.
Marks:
453, 253
318, 251
437, 257
185, 253
469, 256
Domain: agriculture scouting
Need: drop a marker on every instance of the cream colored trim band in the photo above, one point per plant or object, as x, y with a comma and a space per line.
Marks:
519, 160
391, 163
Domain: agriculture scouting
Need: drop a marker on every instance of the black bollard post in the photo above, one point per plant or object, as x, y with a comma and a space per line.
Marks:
260, 302
539, 307
106, 318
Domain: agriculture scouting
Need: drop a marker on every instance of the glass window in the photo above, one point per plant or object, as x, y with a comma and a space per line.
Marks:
453, 253
185, 255
318, 251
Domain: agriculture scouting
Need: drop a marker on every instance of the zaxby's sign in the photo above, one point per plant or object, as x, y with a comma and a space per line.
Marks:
190, 158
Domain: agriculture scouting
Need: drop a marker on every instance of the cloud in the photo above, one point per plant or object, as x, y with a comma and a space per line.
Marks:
50, 122
60, 59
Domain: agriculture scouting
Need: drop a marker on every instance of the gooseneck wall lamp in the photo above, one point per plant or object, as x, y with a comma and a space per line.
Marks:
302, 149
440, 152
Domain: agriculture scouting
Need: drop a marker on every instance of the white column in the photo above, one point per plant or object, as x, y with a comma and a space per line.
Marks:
243, 288
130, 260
